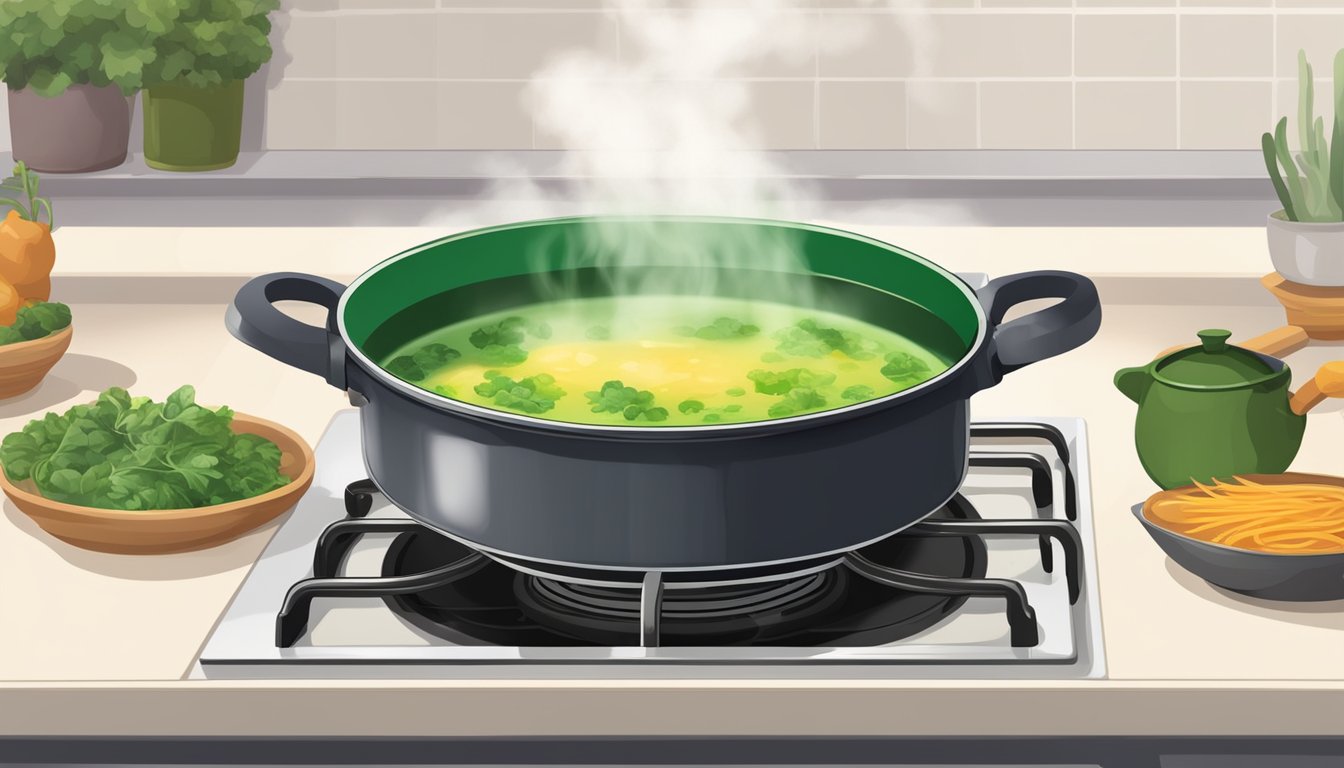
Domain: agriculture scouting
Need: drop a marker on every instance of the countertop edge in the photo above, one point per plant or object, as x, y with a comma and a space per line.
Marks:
650, 710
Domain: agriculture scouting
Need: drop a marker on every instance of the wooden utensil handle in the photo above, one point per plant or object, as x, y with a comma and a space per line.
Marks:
1278, 342
1328, 382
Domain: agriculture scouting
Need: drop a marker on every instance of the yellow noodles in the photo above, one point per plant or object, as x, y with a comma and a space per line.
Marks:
1296, 518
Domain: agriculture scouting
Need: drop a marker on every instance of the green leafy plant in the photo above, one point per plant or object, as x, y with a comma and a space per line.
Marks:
123, 452
36, 321
24, 184
205, 43
49, 45
1317, 192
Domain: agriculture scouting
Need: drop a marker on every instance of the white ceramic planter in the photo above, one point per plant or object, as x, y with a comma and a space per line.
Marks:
1307, 252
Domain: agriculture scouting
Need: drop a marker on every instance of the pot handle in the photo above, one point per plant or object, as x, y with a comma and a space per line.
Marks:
1328, 382
1049, 332
253, 319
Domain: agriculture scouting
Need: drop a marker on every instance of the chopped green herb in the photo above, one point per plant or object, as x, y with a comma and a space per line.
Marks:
903, 367
797, 401
858, 392
808, 339
445, 390
534, 394
511, 354
712, 418
615, 397
434, 356
735, 391
690, 406
502, 334
734, 408
780, 382
405, 367
726, 328
130, 453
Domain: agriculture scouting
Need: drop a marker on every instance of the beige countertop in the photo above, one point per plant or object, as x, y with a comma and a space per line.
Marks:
100, 644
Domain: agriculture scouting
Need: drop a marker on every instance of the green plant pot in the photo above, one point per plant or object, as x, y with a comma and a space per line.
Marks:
193, 129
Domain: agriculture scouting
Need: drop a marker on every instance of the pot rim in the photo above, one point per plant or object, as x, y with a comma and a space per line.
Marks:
698, 431
1277, 219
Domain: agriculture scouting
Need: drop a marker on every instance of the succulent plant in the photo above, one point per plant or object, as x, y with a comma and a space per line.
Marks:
1317, 193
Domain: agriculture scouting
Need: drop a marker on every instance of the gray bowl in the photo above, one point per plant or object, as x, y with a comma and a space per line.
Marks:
1298, 578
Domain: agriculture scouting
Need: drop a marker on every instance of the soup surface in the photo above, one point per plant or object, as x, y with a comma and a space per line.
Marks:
663, 361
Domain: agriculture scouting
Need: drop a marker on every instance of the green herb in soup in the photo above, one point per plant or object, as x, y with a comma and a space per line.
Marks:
663, 361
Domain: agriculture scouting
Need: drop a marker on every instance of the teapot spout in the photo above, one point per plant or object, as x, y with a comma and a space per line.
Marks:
1133, 382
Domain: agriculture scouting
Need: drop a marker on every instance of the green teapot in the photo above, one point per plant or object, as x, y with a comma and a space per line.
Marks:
1218, 410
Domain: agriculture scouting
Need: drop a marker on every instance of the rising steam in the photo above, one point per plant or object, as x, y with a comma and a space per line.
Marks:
669, 127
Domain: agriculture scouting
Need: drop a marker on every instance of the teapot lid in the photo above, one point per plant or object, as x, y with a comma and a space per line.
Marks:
1214, 363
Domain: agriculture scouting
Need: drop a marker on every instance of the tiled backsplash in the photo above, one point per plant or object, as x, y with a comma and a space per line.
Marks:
998, 74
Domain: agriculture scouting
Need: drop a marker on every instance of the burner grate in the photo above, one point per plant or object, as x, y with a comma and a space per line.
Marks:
873, 596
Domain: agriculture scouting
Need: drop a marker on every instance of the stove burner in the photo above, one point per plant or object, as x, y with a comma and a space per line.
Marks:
498, 605
887, 591
747, 613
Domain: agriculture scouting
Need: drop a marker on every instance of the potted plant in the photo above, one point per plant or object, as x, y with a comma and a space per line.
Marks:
69, 68
194, 87
1306, 238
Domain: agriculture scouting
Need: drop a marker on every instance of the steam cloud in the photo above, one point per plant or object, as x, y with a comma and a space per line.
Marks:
669, 127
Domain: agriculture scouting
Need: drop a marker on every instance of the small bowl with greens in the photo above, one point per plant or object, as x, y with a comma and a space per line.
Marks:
131, 475
31, 345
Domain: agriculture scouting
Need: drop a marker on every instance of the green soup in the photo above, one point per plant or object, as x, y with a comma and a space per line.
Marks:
663, 361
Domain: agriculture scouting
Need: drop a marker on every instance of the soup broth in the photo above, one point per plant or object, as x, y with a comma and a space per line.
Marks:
647, 361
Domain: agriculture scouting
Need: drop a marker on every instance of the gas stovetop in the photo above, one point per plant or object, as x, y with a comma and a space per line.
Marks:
1000, 582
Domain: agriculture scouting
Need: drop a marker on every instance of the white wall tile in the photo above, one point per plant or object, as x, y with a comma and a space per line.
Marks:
1119, 115
483, 116
1216, 45
360, 45
1026, 115
783, 114
352, 115
1320, 35
518, 45
1225, 115
862, 115
1125, 45
941, 115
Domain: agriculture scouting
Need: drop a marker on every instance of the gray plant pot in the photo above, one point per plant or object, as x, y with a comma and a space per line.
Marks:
86, 128
1307, 252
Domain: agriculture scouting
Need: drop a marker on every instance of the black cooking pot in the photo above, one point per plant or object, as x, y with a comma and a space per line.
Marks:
623, 499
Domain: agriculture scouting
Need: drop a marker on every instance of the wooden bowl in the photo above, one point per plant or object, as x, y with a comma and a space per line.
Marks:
25, 364
1267, 575
155, 532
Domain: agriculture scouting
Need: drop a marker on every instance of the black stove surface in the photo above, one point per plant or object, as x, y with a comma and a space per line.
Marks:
498, 605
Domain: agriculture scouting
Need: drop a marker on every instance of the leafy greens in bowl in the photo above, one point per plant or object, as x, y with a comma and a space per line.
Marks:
36, 321
131, 453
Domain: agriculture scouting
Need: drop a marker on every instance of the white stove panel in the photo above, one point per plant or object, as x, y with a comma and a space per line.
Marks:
362, 637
